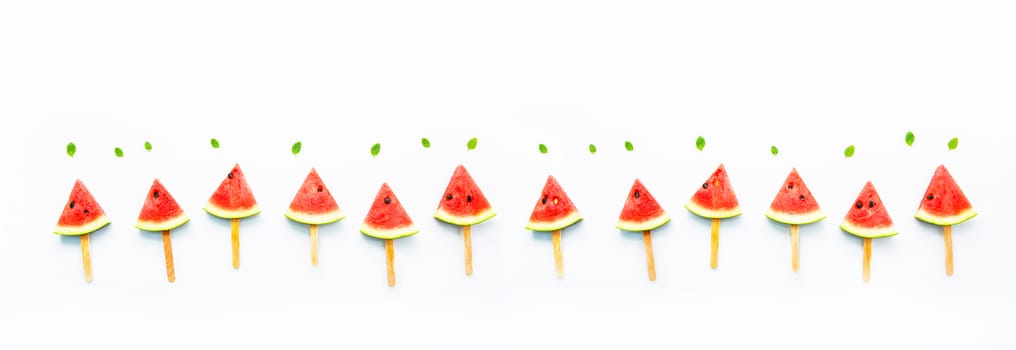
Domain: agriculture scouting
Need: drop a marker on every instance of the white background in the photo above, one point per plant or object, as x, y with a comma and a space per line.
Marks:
810, 77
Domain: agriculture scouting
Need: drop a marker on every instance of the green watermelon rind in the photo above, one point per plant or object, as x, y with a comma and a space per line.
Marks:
796, 219
555, 225
315, 219
646, 225
392, 233
461, 220
710, 213
83, 229
165, 225
230, 213
945, 220
869, 232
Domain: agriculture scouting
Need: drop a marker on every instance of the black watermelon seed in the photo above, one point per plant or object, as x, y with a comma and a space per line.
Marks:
320, 189
469, 198
637, 194
871, 204
72, 205
230, 175
86, 211
155, 194
388, 200
790, 186
705, 185
544, 200
448, 197
801, 197
931, 196
860, 205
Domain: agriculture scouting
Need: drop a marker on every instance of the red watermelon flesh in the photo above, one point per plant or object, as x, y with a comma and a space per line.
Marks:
794, 203
313, 203
944, 203
81, 214
387, 219
554, 210
463, 203
715, 199
641, 212
868, 217
160, 211
233, 199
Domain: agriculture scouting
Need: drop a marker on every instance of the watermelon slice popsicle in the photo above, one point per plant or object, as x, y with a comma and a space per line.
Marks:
641, 213
233, 200
868, 219
314, 205
161, 213
944, 204
387, 220
463, 204
553, 212
794, 205
81, 216
715, 200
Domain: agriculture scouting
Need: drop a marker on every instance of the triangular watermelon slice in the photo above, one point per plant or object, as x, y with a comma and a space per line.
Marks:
233, 199
387, 219
944, 203
554, 210
715, 199
794, 203
868, 217
641, 212
81, 214
463, 203
160, 211
313, 203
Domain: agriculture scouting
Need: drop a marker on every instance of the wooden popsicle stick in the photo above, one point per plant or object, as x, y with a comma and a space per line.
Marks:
647, 238
390, 258
867, 259
795, 247
86, 258
234, 229
558, 263
714, 258
947, 232
313, 244
467, 240
167, 248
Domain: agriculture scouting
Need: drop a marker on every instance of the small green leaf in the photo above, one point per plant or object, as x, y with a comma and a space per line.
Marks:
215, 143
71, 149
471, 145
118, 152
425, 142
953, 143
628, 146
700, 143
849, 152
774, 150
148, 146
297, 146
375, 149
592, 148
543, 148
910, 139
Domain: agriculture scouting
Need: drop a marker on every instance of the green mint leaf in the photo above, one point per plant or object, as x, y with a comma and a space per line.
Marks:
592, 148
774, 150
953, 143
425, 142
849, 152
543, 148
297, 146
71, 149
910, 139
700, 143
215, 143
628, 146
118, 152
375, 149
148, 146
471, 145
